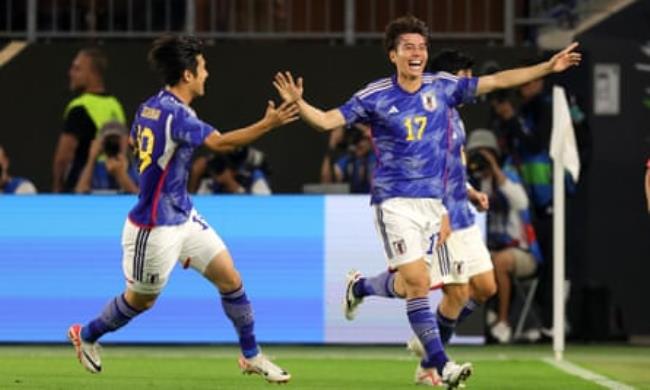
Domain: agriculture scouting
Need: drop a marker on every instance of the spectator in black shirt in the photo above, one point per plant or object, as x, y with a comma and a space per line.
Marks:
84, 117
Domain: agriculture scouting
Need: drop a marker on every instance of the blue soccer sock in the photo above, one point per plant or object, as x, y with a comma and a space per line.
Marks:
469, 308
239, 310
446, 326
381, 285
114, 316
423, 323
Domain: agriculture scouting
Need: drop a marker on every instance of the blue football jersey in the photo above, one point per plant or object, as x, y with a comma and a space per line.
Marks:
455, 198
165, 132
409, 132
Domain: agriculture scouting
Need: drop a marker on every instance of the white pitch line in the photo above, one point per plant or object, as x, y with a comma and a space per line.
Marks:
585, 374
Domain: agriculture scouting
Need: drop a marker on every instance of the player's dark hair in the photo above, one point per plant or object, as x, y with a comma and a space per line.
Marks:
404, 25
98, 59
170, 56
451, 61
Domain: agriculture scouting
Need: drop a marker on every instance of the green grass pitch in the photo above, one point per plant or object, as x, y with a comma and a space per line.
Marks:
353, 367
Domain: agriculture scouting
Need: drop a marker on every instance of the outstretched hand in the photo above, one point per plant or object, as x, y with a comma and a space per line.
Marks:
565, 59
289, 90
286, 113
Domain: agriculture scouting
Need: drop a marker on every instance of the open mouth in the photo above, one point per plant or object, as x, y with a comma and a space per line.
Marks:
415, 65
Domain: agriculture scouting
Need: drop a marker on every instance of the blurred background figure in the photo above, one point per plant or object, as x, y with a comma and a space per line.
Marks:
10, 184
357, 164
523, 122
349, 159
244, 171
109, 167
514, 250
84, 117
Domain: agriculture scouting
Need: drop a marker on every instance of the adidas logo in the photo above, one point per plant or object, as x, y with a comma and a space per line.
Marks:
393, 110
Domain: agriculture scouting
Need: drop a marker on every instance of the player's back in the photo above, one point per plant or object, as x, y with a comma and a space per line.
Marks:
455, 198
165, 132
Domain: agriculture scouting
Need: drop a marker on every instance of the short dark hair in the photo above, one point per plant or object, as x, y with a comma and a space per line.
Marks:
403, 25
172, 55
451, 61
98, 59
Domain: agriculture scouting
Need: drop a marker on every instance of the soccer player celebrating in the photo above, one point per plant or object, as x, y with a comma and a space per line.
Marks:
464, 257
164, 227
408, 115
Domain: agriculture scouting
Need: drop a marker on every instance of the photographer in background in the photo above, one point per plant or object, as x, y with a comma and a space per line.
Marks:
108, 168
356, 165
511, 239
9, 184
243, 171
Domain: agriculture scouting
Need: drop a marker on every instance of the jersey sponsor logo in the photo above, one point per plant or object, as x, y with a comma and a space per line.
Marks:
429, 101
400, 246
393, 110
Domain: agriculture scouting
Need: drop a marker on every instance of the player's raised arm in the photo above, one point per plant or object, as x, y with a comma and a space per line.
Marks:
291, 91
514, 77
274, 117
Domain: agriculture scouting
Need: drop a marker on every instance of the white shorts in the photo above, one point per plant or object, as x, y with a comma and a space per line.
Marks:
149, 254
463, 256
407, 228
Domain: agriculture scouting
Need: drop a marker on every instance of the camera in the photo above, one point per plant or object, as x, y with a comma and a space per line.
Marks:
112, 145
476, 163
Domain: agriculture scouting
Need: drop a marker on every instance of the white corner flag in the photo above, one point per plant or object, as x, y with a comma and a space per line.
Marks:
564, 152
564, 148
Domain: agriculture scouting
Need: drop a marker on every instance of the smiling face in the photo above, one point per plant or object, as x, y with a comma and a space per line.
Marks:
410, 55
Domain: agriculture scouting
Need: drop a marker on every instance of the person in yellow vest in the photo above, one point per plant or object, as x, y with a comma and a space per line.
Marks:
84, 117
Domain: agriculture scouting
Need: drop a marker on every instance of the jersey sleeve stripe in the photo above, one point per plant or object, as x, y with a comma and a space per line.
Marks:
170, 145
372, 87
369, 91
156, 196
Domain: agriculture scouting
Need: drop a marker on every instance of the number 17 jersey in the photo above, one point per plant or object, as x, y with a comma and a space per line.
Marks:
165, 133
410, 132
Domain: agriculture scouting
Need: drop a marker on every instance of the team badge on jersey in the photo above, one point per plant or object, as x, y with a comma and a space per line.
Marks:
429, 101
400, 246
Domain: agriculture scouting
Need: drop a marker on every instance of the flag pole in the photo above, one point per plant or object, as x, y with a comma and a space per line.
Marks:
564, 152
558, 258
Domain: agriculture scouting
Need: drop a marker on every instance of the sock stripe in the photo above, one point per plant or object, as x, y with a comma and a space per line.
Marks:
417, 304
233, 295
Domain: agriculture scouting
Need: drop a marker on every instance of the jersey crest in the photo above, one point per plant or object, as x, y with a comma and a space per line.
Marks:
429, 101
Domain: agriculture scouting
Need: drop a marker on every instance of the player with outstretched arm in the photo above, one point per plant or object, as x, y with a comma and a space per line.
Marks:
164, 227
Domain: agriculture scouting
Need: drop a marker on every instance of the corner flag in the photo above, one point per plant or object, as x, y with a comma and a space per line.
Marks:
564, 149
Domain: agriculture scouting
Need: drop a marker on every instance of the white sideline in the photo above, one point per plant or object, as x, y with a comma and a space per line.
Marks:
10, 51
585, 374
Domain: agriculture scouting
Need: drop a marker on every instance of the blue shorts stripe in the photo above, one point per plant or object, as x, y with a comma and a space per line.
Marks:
140, 249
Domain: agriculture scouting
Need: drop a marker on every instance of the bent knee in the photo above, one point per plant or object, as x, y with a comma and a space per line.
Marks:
485, 292
140, 302
458, 293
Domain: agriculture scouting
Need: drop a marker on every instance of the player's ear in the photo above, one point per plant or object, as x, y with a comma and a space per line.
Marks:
392, 55
187, 75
